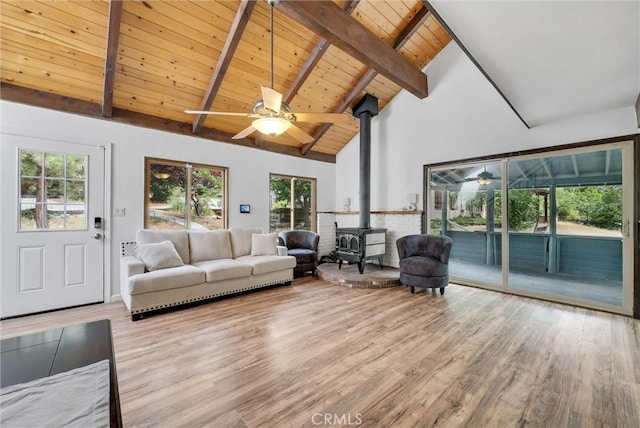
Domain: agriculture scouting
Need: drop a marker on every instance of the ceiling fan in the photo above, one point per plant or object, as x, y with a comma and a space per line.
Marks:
272, 116
484, 178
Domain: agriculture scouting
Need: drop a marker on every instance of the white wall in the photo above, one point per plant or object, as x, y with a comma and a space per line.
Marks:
249, 169
463, 117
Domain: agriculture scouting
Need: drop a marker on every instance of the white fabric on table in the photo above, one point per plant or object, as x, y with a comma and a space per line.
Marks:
76, 398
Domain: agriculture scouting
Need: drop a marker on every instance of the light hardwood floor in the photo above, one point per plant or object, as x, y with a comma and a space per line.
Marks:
312, 353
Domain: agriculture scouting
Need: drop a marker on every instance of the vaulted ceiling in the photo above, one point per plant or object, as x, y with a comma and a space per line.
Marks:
145, 62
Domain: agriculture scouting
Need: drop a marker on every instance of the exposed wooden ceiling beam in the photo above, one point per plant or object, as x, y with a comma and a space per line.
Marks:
331, 22
313, 59
446, 27
19, 94
34, 97
412, 26
309, 65
111, 57
231, 43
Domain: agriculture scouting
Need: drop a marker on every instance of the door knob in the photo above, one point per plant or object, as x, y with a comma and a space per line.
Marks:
97, 236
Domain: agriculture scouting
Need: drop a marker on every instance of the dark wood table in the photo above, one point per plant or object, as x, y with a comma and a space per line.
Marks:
37, 355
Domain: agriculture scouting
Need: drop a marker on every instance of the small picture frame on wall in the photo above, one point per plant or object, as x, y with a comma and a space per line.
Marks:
245, 208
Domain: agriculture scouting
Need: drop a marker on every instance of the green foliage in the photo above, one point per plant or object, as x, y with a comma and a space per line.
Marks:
281, 191
522, 208
599, 206
177, 200
469, 221
282, 199
160, 190
206, 185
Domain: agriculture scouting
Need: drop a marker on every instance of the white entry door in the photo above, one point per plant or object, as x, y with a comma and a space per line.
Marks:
52, 225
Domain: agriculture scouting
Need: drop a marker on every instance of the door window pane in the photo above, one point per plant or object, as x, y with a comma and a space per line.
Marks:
52, 189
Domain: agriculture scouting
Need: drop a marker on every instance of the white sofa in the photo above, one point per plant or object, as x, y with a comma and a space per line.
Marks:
165, 268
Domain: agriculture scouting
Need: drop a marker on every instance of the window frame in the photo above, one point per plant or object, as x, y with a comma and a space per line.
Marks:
314, 200
148, 161
630, 158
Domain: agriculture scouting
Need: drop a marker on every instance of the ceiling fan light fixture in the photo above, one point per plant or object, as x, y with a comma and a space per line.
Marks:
161, 175
271, 125
485, 178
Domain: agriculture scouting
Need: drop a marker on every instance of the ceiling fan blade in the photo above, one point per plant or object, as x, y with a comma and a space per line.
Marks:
244, 133
271, 98
325, 117
221, 113
300, 135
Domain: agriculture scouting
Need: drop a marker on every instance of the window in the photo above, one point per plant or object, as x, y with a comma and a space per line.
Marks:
293, 203
180, 195
52, 191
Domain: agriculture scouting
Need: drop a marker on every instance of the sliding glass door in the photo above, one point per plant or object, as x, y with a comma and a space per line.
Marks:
566, 222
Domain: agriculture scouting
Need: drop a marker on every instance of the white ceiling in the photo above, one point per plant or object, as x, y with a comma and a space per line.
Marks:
553, 60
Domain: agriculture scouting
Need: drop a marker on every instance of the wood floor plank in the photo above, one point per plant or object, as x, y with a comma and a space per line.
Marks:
314, 354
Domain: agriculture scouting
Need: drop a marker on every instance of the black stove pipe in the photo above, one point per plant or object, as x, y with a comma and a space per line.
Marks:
365, 109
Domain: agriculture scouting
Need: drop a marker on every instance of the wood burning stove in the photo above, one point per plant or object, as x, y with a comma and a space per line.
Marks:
357, 245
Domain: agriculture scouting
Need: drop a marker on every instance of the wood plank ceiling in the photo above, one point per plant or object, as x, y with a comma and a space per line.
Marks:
145, 62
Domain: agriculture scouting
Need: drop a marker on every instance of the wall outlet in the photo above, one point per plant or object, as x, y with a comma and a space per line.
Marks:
119, 212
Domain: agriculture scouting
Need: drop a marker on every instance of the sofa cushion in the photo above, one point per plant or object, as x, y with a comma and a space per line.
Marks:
209, 245
423, 266
241, 240
165, 279
266, 264
264, 244
158, 255
218, 270
180, 239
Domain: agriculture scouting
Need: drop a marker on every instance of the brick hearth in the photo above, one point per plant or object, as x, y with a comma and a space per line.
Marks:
348, 276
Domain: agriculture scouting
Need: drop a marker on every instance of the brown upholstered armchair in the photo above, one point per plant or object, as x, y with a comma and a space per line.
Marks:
303, 245
424, 261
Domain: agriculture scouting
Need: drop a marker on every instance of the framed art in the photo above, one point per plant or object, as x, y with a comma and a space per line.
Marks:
245, 208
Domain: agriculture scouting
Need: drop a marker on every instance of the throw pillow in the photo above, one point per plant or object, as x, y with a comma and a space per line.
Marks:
180, 239
264, 244
158, 255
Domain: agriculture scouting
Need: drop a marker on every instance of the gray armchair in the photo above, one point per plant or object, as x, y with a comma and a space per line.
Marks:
303, 245
424, 261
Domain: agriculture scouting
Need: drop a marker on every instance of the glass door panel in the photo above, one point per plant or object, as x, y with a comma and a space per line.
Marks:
465, 205
565, 216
